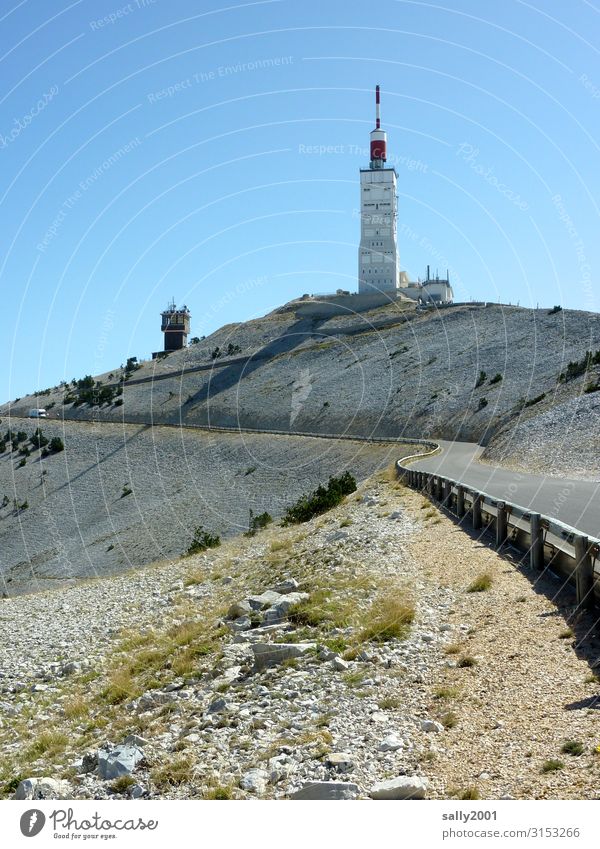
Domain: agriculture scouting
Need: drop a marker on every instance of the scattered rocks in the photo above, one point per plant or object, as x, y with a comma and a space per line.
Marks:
43, 788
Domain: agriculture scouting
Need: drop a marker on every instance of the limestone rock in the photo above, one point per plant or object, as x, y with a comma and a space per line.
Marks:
264, 600
120, 761
403, 787
327, 790
238, 609
431, 725
340, 761
289, 585
391, 743
270, 654
255, 781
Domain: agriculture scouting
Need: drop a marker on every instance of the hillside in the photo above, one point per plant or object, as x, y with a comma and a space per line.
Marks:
346, 650
465, 372
120, 496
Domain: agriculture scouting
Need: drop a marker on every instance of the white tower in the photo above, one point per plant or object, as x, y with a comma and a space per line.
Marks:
378, 264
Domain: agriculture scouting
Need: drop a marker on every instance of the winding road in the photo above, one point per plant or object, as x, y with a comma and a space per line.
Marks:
573, 502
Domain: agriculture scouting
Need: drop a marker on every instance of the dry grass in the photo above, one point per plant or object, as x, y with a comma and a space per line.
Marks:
389, 617
49, 743
174, 773
480, 583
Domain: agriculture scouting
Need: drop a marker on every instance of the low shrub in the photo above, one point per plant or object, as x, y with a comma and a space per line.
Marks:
202, 540
258, 523
321, 500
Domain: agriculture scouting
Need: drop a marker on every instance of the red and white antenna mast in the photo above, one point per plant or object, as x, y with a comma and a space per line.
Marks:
378, 137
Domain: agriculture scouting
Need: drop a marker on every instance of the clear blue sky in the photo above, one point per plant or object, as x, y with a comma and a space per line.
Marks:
210, 152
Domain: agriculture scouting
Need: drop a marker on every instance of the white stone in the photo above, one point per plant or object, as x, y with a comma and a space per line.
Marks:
254, 781
431, 725
340, 664
289, 585
327, 790
270, 654
403, 787
391, 743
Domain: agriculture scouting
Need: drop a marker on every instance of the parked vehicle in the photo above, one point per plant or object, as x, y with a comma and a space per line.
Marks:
37, 414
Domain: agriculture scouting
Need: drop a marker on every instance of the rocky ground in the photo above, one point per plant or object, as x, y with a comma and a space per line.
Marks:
120, 496
562, 438
377, 651
458, 373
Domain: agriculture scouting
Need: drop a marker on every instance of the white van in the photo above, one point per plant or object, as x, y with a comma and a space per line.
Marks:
37, 414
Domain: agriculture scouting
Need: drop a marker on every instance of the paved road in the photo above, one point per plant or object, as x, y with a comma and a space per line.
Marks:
574, 502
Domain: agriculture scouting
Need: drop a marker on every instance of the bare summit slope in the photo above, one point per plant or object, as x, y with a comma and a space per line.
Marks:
464, 372
121, 496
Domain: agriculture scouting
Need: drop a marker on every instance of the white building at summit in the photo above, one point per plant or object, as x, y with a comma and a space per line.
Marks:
378, 263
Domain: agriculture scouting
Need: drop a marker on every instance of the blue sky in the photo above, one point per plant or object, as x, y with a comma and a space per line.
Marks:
210, 152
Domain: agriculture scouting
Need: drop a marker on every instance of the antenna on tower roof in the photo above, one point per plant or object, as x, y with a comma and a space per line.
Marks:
377, 114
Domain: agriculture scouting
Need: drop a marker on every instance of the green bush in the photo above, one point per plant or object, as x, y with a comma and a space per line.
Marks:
56, 445
555, 309
481, 379
578, 367
258, 523
202, 540
496, 379
483, 402
535, 400
38, 440
321, 500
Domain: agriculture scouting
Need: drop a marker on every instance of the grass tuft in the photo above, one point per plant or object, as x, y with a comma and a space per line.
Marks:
480, 583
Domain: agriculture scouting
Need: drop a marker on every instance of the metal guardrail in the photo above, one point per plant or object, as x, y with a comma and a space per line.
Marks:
549, 543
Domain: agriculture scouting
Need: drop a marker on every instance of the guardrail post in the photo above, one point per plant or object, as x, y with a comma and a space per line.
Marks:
431, 485
476, 511
460, 501
501, 524
447, 492
584, 573
438, 488
536, 552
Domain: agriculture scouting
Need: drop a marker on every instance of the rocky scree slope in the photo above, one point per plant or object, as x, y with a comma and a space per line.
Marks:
119, 496
339, 659
462, 372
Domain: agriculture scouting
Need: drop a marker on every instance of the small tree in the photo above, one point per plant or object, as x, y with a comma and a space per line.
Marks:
202, 540
258, 523
56, 445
